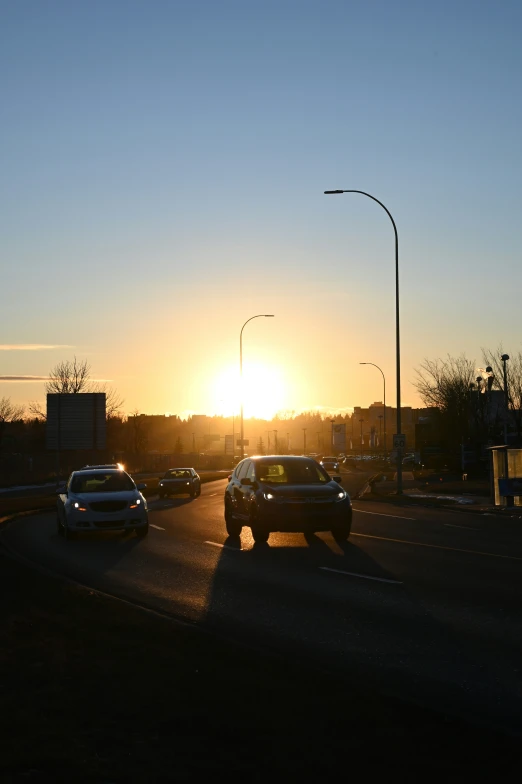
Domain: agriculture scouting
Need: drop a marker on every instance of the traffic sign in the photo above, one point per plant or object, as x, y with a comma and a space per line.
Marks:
399, 441
244, 442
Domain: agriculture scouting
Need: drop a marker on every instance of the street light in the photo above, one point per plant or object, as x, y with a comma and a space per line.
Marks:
361, 421
332, 435
397, 330
380, 431
276, 445
504, 359
261, 315
304, 440
384, 405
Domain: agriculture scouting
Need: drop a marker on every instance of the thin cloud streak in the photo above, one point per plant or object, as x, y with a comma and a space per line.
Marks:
30, 346
24, 378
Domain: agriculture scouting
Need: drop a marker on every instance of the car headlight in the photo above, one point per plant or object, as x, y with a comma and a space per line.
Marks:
136, 503
78, 507
269, 496
161, 484
188, 483
341, 496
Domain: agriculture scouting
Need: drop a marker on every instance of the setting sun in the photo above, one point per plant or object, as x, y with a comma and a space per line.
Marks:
263, 387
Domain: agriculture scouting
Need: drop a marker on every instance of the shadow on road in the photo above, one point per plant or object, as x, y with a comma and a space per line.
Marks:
313, 599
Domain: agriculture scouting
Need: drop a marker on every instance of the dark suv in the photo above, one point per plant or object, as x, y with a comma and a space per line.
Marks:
286, 493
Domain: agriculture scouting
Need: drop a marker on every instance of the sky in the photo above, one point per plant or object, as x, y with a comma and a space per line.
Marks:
163, 167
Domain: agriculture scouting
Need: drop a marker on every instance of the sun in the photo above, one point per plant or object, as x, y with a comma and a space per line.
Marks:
263, 391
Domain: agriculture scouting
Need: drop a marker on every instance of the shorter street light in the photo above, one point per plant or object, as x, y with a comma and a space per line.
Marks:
384, 402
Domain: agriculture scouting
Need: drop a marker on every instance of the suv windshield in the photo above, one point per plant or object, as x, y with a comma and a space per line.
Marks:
181, 474
101, 482
291, 472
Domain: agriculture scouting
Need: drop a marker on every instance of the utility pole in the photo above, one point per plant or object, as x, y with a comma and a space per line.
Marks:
304, 440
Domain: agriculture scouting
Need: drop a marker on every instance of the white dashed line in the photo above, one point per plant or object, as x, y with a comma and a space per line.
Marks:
381, 514
157, 527
211, 494
223, 546
363, 576
466, 527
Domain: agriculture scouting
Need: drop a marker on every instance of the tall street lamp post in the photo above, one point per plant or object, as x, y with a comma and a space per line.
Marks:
332, 435
361, 421
261, 315
504, 359
304, 440
397, 330
384, 404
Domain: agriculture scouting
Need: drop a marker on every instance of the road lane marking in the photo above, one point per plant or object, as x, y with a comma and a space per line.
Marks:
158, 527
363, 576
440, 547
382, 514
223, 546
211, 494
466, 527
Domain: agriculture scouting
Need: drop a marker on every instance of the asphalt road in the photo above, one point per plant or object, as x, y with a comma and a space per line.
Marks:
422, 603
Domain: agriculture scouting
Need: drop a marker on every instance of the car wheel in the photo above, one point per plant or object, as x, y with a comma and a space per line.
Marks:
192, 493
143, 531
199, 491
69, 535
259, 533
234, 527
341, 532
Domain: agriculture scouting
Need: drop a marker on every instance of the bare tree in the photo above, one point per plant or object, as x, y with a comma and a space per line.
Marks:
73, 377
9, 412
69, 377
445, 384
514, 381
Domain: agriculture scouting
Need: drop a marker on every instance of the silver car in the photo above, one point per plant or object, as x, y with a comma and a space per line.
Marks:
96, 499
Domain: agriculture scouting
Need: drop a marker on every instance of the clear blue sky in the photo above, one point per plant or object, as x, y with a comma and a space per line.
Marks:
163, 165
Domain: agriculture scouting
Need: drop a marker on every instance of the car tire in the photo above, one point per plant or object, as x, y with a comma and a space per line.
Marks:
69, 535
341, 532
234, 527
259, 533
143, 531
192, 493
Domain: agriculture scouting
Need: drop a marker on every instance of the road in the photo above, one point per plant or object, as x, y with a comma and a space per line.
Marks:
422, 603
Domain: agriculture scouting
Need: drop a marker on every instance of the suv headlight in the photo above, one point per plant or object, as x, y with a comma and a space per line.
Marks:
136, 503
341, 496
269, 496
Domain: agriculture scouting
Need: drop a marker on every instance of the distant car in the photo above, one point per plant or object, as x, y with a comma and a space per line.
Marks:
286, 493
96, 499
330, 464
180, 480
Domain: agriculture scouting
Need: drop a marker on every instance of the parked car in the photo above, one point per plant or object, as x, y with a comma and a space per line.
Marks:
97, 499
286, 493
330, 464
180, 480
